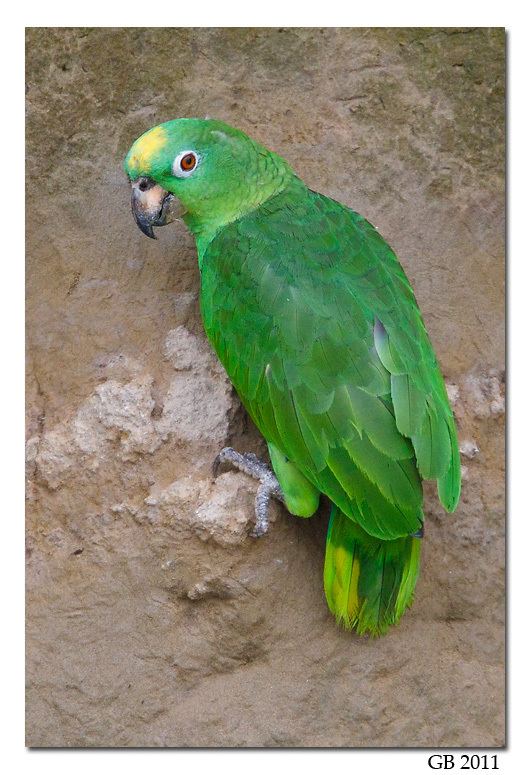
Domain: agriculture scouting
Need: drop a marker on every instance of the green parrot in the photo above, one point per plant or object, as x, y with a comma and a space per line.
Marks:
317, 326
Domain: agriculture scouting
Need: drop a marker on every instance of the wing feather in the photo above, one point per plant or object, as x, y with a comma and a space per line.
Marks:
318, 328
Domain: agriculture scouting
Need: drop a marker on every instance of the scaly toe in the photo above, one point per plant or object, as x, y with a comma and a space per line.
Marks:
268, 488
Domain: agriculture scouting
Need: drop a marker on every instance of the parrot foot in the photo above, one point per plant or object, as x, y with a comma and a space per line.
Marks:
269, 486
419, 533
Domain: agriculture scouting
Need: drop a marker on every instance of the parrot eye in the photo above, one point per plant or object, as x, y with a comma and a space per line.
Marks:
185, 163
188, 162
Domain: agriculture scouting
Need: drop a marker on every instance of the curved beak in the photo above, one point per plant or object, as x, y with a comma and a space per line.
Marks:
153, 206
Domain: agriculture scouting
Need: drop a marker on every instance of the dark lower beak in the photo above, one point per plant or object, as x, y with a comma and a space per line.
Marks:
153, 206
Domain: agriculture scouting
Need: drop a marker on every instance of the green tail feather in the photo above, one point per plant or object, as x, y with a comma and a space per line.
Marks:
368, 583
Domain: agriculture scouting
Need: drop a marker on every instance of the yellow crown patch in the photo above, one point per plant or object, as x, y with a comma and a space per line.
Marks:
145, 148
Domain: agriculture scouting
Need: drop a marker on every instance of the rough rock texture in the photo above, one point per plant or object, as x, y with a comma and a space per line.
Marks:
153, 618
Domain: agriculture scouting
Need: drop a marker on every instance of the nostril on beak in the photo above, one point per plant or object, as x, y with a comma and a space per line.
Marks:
144, 184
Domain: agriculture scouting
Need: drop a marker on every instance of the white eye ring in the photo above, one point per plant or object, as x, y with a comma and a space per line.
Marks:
178, 170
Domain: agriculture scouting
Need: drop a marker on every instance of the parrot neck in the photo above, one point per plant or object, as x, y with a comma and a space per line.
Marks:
206, 225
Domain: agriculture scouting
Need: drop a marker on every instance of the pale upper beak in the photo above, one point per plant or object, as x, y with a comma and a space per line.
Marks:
153, 206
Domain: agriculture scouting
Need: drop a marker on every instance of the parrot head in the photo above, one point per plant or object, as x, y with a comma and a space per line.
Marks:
201, 170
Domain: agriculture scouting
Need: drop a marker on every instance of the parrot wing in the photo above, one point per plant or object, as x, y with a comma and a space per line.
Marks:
319, 330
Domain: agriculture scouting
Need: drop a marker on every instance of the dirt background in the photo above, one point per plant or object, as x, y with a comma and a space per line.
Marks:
153, 619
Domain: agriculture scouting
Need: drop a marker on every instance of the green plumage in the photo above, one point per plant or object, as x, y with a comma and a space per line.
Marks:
368, 583
319, 331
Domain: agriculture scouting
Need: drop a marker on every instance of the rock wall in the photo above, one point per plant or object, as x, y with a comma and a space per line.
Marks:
153, 619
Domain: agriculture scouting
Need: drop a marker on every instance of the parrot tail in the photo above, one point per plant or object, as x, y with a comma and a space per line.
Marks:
368, 583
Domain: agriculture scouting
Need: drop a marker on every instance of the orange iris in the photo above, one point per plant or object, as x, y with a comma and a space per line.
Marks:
188, 162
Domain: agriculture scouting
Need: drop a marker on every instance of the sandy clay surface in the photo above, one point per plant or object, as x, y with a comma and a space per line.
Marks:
153, 619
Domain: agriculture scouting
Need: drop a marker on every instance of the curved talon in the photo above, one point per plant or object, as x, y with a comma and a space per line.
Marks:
216, 465
226, 455
419, 533
257, 532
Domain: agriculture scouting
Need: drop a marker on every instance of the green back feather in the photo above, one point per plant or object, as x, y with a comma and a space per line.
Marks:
318, 328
